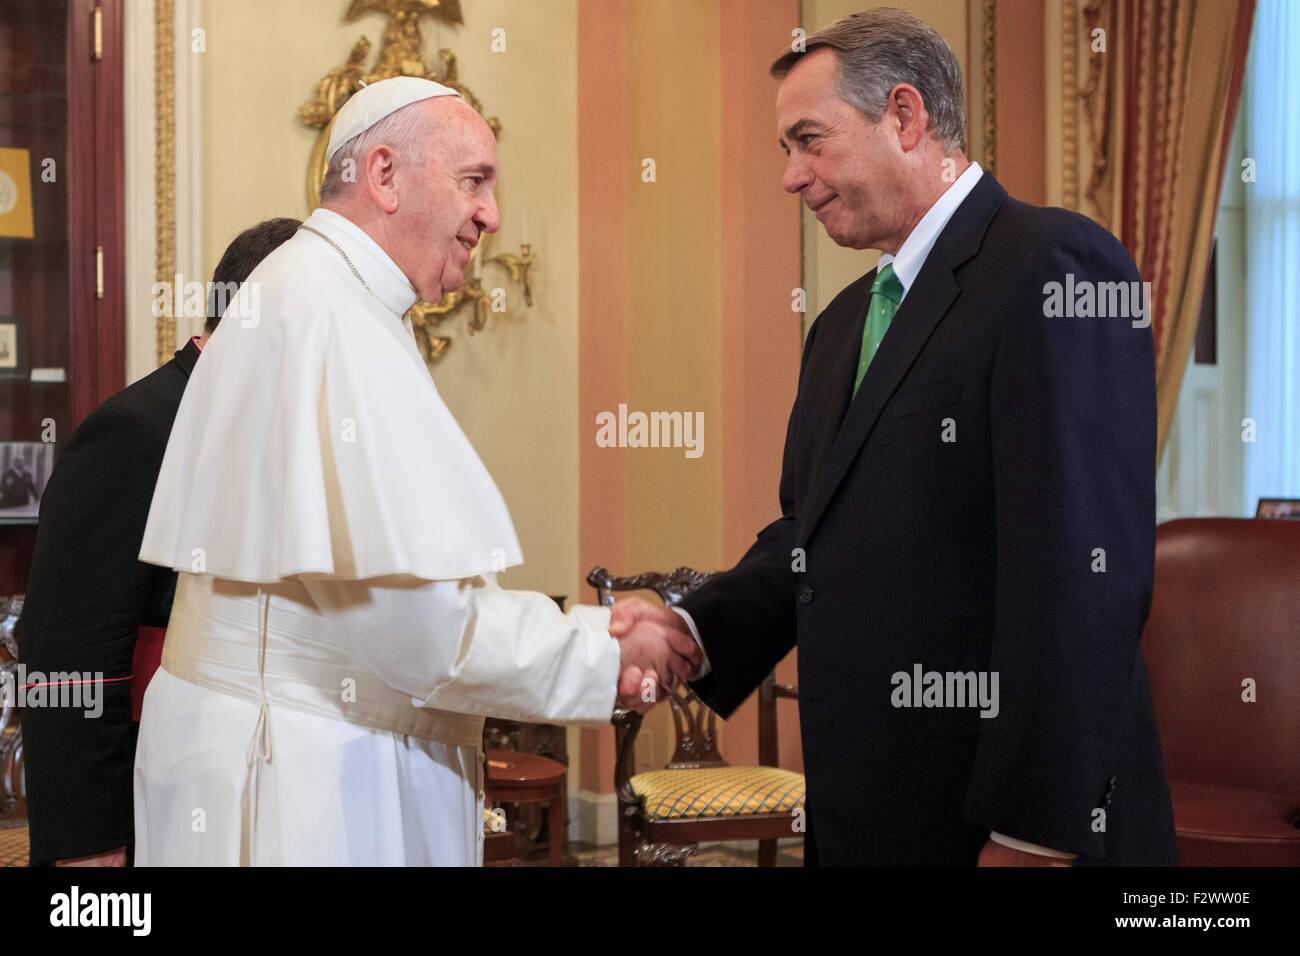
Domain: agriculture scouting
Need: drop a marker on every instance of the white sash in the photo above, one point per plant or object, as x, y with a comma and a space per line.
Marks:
268, 644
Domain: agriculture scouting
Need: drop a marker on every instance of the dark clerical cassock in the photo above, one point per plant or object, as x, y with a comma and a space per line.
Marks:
88, 600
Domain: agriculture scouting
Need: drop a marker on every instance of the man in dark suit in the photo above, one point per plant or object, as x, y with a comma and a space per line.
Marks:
965, 550
89, 600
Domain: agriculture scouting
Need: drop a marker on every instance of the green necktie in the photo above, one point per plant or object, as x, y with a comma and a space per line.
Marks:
886, 294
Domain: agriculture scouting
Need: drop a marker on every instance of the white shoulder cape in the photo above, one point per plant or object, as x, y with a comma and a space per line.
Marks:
311, 440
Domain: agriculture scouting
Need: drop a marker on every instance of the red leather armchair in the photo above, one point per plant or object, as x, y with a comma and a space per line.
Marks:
1226, 609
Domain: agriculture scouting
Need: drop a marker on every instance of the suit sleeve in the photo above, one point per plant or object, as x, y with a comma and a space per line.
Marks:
471, 647
83, 606
1073, 444
746, 616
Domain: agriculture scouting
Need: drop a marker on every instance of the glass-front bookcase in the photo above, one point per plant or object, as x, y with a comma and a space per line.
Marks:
61, 244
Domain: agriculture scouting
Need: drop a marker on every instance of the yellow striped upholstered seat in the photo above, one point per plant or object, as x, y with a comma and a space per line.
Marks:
719, 791
13, 846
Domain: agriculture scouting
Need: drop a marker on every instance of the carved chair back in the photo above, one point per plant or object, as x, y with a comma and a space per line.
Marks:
694, 723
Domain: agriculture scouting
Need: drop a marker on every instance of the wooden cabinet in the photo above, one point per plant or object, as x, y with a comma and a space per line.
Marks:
62, 301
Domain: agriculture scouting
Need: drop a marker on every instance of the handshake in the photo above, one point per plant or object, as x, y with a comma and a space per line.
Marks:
657, 650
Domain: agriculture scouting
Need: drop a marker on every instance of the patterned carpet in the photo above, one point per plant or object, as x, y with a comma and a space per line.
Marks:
13, 852
721, 854
13, 846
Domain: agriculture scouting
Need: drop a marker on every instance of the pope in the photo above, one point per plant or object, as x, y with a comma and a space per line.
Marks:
338, 635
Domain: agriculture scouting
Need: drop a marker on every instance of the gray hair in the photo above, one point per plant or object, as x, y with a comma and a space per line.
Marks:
878, 49
402, 131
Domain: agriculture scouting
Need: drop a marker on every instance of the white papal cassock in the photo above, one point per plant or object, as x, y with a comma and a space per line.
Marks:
338, 634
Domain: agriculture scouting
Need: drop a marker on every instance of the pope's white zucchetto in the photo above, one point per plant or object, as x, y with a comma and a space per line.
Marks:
369, 105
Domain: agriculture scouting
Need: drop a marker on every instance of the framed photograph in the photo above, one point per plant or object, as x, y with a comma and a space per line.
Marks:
1278, 508
25, 468
15, 193
12, 360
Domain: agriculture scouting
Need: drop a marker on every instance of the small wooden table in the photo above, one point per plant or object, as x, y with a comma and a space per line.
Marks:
527, 778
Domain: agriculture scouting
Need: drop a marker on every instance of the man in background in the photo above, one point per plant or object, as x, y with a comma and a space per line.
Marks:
93, 609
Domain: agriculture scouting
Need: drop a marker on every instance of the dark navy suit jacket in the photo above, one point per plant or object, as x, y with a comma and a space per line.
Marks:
952, 515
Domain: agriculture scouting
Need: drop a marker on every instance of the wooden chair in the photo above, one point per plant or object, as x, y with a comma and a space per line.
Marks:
664, 814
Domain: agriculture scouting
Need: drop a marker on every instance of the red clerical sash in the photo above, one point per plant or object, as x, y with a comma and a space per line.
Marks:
148, 655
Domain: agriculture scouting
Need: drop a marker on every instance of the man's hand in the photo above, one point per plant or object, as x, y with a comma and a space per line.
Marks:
629, 612
111, 858
654, 641
995, 854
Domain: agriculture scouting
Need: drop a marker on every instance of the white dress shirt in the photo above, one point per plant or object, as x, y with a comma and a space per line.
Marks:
916, 247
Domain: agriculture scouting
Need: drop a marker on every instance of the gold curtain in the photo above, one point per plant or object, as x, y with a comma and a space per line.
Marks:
1146, 129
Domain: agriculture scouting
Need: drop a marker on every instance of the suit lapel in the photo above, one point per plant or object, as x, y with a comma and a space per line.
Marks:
927, 302
842, 335
925, 306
